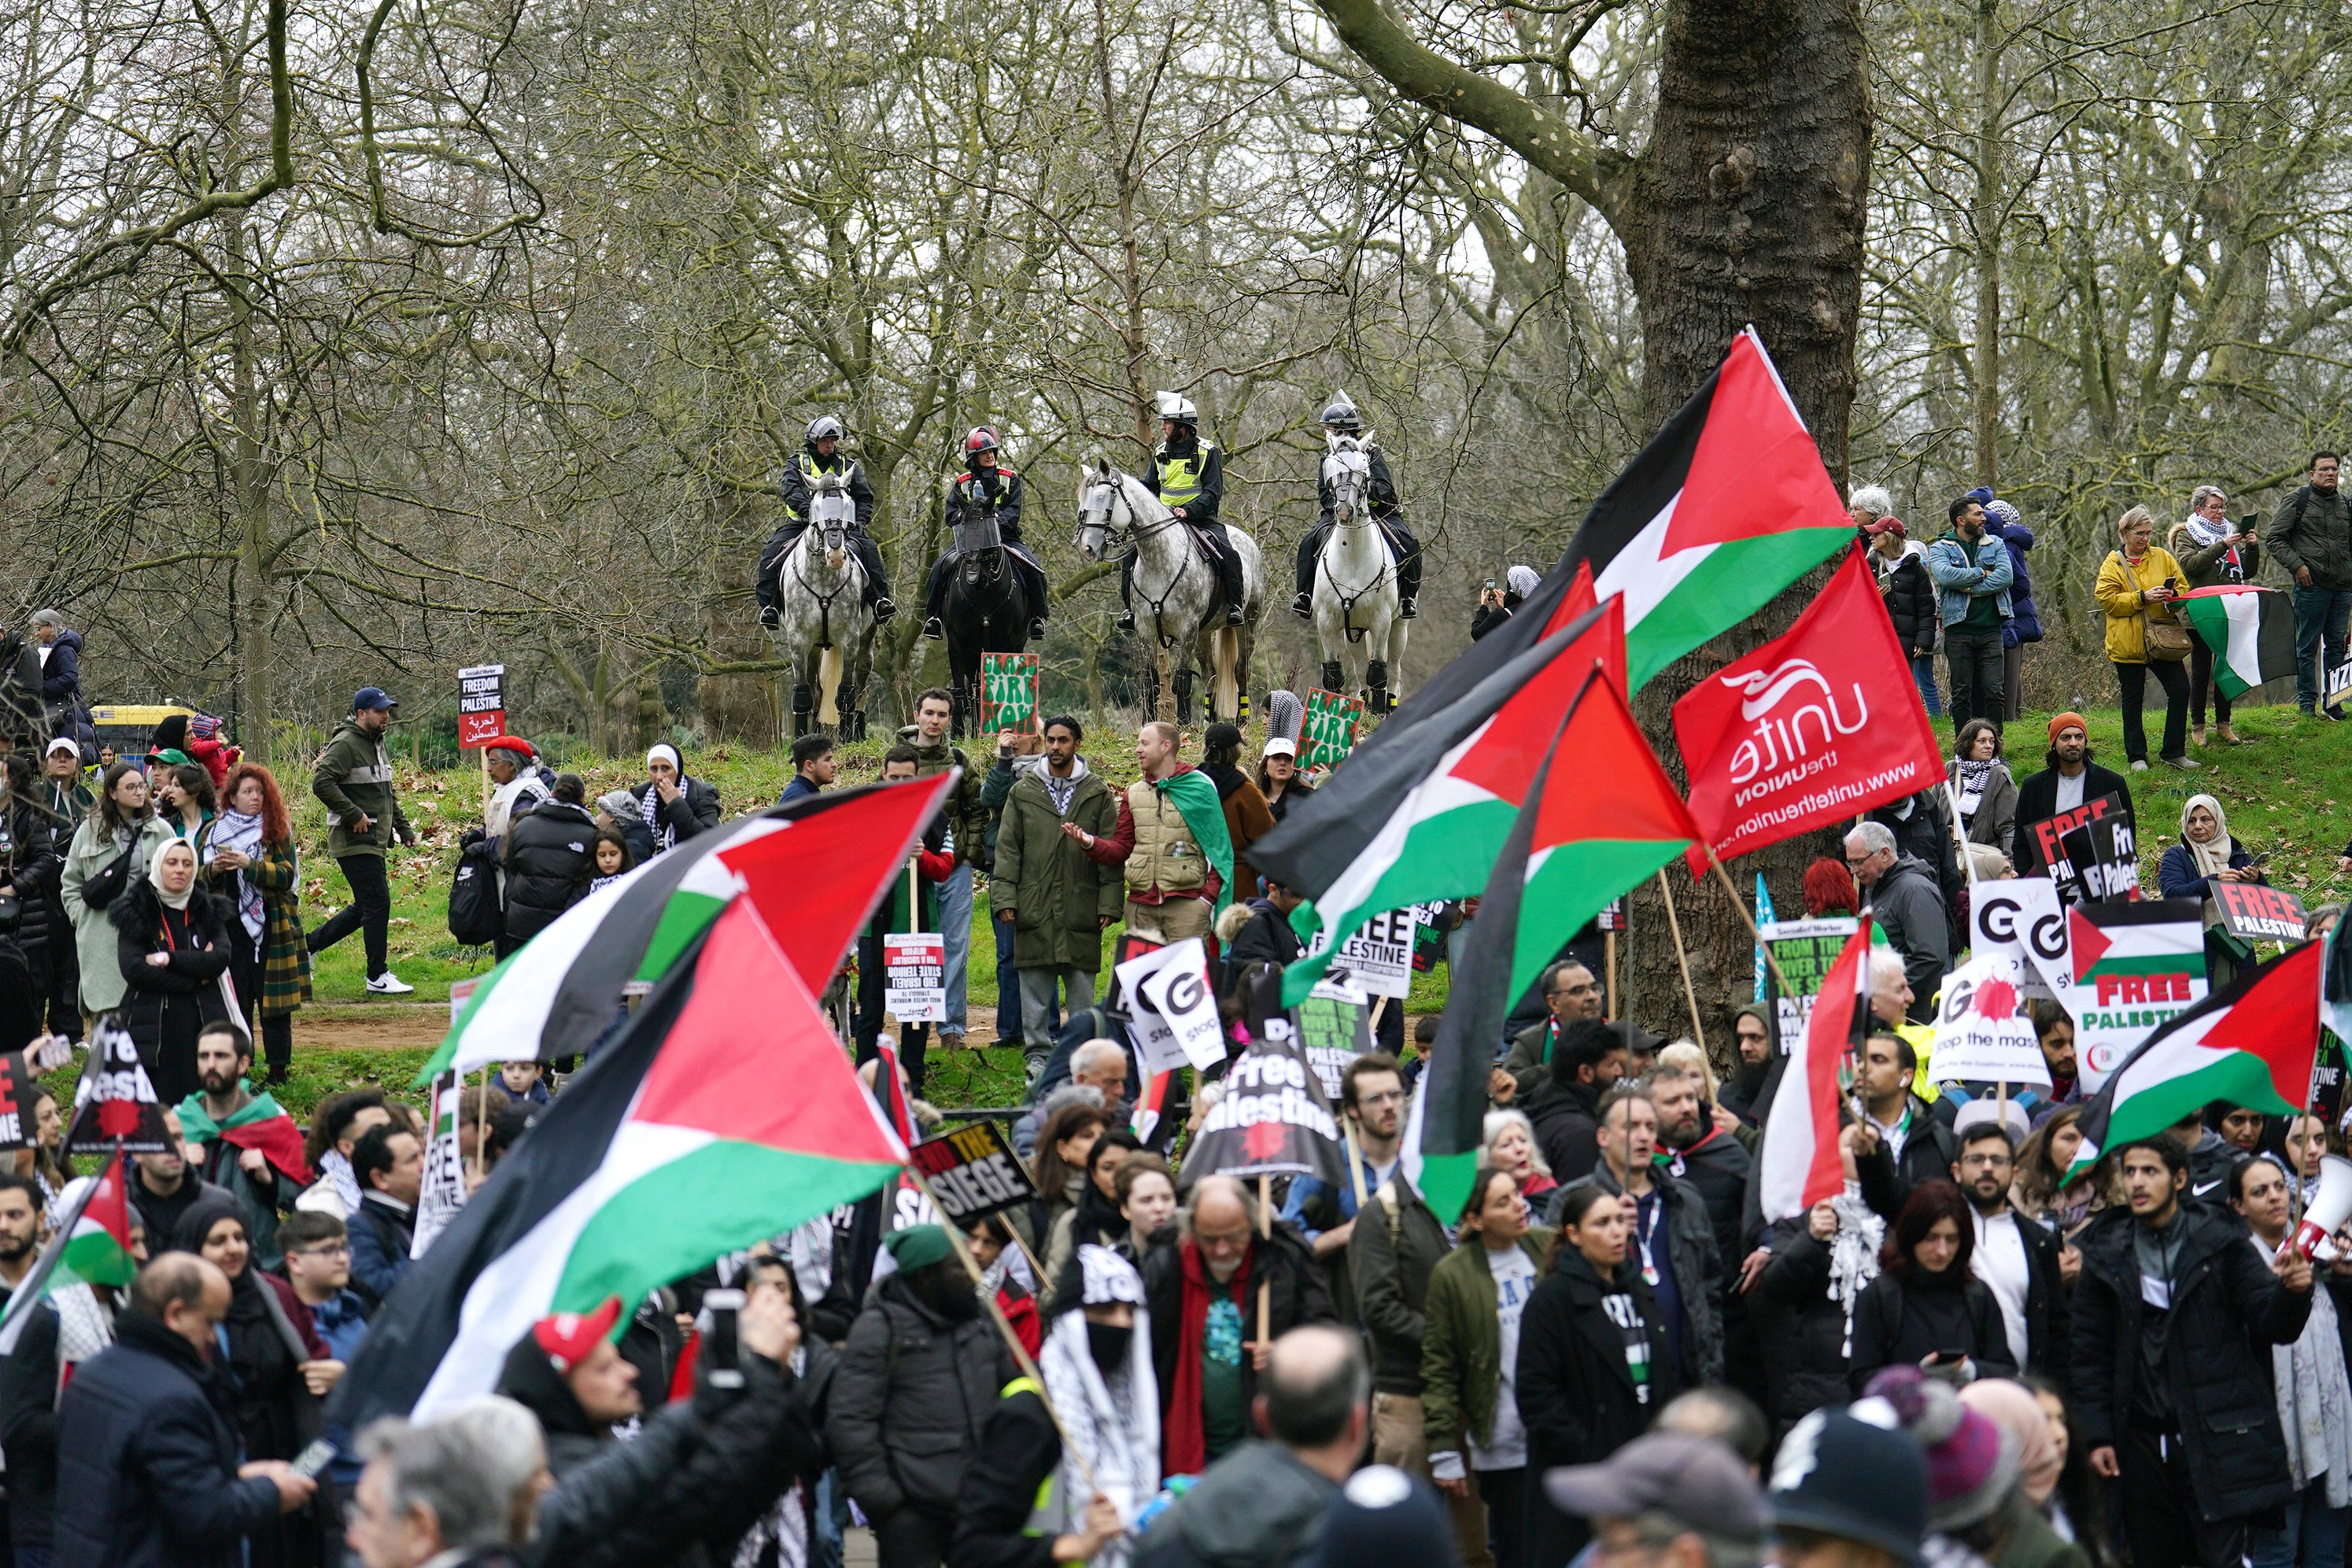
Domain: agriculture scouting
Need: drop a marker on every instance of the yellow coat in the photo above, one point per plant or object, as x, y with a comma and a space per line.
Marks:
2118, 590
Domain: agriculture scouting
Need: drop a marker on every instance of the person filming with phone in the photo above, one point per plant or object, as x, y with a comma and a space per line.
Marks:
1497, 604
2138, 584
2311, 535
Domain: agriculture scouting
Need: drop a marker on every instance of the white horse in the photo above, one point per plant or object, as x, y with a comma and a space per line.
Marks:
825, 629
1175, 598
1356, 593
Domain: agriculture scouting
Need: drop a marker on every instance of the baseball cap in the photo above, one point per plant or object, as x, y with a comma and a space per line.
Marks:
1280, 745
369, 698
1856, 1478
1693, 1479
567, 1338
62, 744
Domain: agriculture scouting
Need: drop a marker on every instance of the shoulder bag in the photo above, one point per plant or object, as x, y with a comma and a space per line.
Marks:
2165, 641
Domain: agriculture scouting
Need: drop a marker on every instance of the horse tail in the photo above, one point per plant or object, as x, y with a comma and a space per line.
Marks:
828, 685
1231, 688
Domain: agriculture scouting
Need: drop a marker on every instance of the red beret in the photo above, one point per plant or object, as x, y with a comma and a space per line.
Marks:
569, 1338
511, 743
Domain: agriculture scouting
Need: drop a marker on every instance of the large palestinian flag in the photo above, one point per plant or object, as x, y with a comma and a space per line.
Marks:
2251, 1043
723, 1113
1451, 796
1599, 818
259, 1124
91, 1246
2250, 630
563, 988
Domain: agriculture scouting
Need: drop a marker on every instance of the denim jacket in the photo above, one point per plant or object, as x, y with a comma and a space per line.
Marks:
1956, 575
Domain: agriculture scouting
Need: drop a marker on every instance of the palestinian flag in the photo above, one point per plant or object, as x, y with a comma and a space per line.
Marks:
2251, 1043
260, 1123
1429, 816
1150, 1108
1571, 849
2250, 630
563, 988
91, 1246
1797, 1165
724, 1113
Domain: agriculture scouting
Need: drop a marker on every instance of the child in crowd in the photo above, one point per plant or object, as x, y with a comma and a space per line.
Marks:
613, 859
525, 1083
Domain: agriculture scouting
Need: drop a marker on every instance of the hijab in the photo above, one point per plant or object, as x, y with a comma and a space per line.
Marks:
1521, 580
2209, 857
650, 808
2011, 1407
249, 1337
1110, 1418
156, 874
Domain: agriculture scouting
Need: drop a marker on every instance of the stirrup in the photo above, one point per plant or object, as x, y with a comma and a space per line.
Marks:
1303, 606
1407, 609
1126, 621
933, 629
1037, 628
884, 609
1233, 616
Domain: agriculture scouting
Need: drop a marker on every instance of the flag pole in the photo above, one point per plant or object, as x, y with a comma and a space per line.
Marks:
1674, 928
1609, 962
1020, 1357
1739, 903
1265, 1230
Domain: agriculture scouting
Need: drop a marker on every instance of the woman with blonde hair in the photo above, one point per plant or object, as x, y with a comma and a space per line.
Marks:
2139, 583
1510, 1145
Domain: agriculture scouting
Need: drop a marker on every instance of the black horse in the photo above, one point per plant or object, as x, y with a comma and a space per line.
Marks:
988, 611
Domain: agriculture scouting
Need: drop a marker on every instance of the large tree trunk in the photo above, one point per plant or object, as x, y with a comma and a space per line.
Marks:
1745, 207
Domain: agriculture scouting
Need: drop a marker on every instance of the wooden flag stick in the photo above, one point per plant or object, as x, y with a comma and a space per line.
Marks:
1609, 962
1674, 929
1265, 1230
1020, 1357
1748, 920
1355, 1159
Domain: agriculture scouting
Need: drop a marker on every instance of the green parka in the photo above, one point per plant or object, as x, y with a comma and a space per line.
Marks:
1462, 1349
354, 779
1059, 898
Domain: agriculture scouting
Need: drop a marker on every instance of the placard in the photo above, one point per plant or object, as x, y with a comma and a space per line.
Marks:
915, 968
1429, 938
1008, 692
2021, 919
1175, 977
481, 705
1805, 949
1328, 733
1612, 913
2253, 913
2125, 967
2339, 682
460, 993
114, 1102
1272, 1120
973, 1172
444, 1192
18, 1089
1126, 948
1331, 1033
1984, 1030
2047, 833
1378, 954
2104, 858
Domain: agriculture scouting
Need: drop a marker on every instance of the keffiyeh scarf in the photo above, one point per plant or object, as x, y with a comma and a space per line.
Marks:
1112, 1423
236, 830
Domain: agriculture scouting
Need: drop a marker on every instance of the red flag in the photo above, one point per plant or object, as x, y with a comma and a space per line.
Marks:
1812, 728
1797, 1165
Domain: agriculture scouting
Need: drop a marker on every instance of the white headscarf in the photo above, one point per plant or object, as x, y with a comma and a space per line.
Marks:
2209, 857
1113, 1423
665, 834
156, 874
1521, 580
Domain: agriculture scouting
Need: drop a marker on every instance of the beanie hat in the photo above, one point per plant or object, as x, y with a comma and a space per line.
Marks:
1854, 1477
567, 1338
2066, 721
1971, 1463
918, 1246
1383, 1518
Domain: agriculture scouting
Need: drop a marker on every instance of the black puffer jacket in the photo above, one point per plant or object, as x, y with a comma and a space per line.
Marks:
35, 867
686, 1489
910, 1398
550, 854
1802, 1330
2227, 1312
1910, 599
167, 1005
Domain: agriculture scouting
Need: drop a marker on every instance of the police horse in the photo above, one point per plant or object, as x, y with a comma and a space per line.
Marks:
823, 625
1176, 597
987, 610
1356, 589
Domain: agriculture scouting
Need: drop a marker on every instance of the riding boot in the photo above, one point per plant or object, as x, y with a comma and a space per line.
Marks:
1409, 584
1310, 549
1126, 591
870, 556
1230, 565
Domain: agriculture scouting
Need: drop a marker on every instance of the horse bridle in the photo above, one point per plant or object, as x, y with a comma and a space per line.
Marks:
824, 600
1357, 517
1134, 532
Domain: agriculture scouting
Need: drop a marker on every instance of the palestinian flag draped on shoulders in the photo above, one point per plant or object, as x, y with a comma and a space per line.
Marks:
259, 1124
2250, 630
723, 1113
1724, 509
562, 989
2251, 1043
1571, 849
91, 1246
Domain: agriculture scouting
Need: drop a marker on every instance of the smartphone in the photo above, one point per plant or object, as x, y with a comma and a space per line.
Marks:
2171, 583
313, 1461
722, 1357
1490, 585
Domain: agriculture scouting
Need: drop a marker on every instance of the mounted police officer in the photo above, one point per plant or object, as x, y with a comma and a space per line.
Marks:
1340, 418
985, 484
1188, 475
820, 455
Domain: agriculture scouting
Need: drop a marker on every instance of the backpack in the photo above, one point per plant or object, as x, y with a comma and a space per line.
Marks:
475, 917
